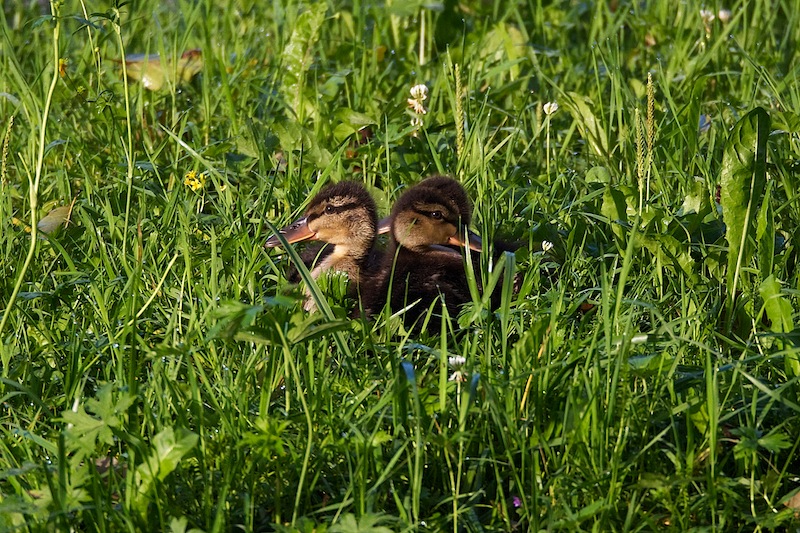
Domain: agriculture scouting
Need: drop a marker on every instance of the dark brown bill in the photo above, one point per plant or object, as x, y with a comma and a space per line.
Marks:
294, 232
384, 226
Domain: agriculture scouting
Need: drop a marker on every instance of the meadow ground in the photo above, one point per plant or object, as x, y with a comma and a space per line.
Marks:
159, 373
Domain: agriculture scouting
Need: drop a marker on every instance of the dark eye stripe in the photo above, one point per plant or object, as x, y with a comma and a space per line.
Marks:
428, 214
335, 209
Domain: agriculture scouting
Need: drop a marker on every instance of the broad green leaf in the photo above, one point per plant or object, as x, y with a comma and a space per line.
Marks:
765, 235
786, 121
41, 20
743, 177
589, 126
84, 432
751, 440
111, 404
615, 209
779, 310
775, 441
698, 411
292, 136
505, 45
353, 118
178, 525
671, 252
369, 523
324, 327
267, 439
598, 175
168, 448
748, 442
232, 317
297, 57
696, 200
350, 122
404, 9
303, 525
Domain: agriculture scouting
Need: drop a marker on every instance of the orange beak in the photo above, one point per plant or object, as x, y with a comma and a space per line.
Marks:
295, 232
473, 241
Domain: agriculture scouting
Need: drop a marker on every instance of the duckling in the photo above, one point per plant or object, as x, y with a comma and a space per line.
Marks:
344, 216
419, 264
449, 188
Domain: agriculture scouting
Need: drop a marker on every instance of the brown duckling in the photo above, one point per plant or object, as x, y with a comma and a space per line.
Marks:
344, 216
450, 188
420, 267
447, 188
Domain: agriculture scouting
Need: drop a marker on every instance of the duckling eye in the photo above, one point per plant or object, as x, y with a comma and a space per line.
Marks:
437, 215
329, 209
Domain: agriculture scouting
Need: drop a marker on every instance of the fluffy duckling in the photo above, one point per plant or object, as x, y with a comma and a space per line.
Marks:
450, 188
447, 188
420, 266
344, 216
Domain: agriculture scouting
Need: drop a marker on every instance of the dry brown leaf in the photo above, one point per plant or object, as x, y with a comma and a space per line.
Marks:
152, 72
56, 218
794, 503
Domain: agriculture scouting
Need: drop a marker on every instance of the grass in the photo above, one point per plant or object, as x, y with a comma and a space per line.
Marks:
158, 373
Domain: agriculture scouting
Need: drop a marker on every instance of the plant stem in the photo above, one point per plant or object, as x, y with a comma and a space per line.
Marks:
129, 133
33, 186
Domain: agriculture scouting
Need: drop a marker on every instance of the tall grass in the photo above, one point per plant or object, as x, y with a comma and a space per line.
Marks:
159, 371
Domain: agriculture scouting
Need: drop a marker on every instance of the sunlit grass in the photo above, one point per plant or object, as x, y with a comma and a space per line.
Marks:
159, 372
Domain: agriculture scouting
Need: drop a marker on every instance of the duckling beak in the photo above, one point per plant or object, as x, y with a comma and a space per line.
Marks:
473, 241
294, 232
384, 226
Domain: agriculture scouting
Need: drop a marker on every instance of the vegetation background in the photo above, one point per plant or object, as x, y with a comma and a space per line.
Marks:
159, 374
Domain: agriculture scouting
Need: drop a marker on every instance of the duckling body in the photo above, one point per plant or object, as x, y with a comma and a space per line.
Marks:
420, 269
435, 277
450, 188
344, 217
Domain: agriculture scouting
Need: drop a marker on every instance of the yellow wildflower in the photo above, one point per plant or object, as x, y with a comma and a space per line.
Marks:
194, 181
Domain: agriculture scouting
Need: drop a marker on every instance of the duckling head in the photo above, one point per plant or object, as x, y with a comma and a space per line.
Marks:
342, 214
450, 188
426, 218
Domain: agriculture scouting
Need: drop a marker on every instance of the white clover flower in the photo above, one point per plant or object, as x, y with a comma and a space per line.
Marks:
417, 106
419, 92
550, 107
724, 15
547, 246
707, 16
458, 376
457, 364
